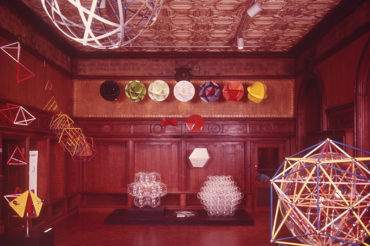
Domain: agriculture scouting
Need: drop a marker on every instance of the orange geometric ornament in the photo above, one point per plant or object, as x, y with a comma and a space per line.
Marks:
72, 138
17, 158
233, 91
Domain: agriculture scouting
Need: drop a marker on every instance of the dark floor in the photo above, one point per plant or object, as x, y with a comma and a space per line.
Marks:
88, 229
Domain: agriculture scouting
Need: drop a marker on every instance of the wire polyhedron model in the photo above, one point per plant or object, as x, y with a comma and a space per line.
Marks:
220, 196
323, 197
147, 189
102, 24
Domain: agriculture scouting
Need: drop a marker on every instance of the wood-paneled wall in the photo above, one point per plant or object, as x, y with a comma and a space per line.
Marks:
125, 147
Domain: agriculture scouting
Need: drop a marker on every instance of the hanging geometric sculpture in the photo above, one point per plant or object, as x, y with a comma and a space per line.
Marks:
199, 157
17, 158
26, 203
23, 73
135, 90
147, 189
323, 197
209, 91
233, 91
22, 116
158, 90
184, 91
102, 24
72, 138
110, 90
257, 92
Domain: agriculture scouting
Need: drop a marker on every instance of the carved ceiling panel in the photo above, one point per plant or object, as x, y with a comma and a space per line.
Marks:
213, 25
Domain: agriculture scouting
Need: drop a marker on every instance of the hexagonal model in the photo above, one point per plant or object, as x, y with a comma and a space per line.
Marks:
199, 157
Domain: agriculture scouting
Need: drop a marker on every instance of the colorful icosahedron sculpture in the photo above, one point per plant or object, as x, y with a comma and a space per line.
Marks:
17, 115
23, 73
147, 189
199, 157
26, 203
323, 197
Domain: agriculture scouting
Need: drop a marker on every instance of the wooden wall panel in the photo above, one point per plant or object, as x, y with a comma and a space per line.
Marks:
57, 172
73, 177
226, 158
161, 157
108, 171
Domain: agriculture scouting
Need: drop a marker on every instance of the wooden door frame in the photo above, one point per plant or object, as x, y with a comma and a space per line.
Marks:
362, 101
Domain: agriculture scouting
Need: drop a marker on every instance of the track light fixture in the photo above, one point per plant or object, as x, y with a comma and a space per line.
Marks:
240, 42
254, 9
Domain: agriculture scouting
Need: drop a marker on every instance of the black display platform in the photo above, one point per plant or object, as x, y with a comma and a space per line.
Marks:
37, 238
159, 216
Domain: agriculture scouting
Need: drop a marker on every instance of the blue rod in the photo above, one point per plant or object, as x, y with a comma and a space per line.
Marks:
351, 147
343, 171
344, 241
299, 170
311, 147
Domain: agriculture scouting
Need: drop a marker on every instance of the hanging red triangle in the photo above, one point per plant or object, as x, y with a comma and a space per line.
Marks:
17, 191
23, 73
7, 112
16, 158
12, 50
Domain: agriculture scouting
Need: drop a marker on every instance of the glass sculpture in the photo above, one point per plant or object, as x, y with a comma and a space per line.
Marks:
323, 197
147, 189
220, 196
199, 157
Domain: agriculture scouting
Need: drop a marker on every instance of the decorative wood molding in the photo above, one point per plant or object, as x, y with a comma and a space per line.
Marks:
138, 128
164, 67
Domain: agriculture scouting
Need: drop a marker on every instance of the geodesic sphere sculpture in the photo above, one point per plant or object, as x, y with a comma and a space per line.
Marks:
220, 196
147, 189
323, 198
102, 24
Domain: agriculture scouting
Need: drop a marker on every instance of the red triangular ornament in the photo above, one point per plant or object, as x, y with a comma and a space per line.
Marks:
17, 158
23, 73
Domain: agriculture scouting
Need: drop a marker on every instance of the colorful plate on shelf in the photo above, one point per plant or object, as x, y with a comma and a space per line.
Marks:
158, 90
184, 91
135, 90
233, 91
209, 91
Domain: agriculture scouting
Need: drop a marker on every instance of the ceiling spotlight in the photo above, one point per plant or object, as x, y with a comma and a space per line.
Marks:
240, 42
254, 9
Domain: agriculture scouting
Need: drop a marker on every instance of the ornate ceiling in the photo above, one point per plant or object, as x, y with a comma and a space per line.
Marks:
213, 25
